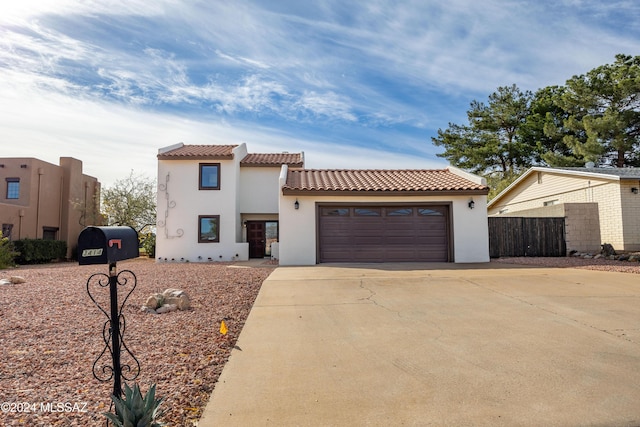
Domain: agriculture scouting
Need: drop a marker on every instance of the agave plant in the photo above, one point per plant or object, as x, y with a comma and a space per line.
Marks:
136, 411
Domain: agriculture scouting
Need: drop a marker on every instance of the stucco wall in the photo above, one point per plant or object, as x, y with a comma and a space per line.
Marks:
179, 204
298, 232
259, 189
55, 196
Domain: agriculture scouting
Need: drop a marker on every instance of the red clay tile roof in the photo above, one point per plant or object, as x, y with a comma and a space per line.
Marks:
295, 160
199, 152
379, 181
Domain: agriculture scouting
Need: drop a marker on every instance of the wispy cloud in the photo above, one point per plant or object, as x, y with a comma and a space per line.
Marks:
370, 77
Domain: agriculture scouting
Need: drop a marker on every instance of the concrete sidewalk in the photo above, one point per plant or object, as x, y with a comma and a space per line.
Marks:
435, 344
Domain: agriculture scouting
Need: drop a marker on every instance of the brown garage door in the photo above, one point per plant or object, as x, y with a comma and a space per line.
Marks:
383, 233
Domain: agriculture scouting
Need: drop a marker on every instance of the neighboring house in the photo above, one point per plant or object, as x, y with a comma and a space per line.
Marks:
41, 200
600, 205
217, 202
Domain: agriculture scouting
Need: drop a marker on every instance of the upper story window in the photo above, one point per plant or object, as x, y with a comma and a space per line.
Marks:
209, 176
13, 188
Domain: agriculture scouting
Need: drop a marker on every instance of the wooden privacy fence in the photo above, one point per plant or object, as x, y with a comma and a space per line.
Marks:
518, 236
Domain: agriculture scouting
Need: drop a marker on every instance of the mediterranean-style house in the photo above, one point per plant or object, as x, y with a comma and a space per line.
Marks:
600, 205
41, 200
221, 203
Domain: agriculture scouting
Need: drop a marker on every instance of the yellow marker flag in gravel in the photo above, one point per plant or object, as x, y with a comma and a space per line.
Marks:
223, 328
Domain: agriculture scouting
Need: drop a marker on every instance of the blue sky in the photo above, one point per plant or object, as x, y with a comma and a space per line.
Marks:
353, 84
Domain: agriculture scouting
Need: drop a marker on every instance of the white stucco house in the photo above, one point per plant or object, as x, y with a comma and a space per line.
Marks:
221, 203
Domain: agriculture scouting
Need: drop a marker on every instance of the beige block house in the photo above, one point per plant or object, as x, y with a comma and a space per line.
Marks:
604, 203
40, 200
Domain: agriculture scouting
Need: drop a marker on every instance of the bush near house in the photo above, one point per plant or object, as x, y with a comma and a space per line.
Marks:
38, 251
7, 253
148, 243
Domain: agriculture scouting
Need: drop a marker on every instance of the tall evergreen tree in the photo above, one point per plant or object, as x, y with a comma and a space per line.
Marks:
604, 106
492, 143
545, 130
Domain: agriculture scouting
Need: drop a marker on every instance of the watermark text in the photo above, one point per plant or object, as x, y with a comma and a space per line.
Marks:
39, 407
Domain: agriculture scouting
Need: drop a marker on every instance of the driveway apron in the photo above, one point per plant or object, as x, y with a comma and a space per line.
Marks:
435, 344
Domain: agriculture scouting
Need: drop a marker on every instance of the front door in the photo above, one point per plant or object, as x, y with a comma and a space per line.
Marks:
256, 238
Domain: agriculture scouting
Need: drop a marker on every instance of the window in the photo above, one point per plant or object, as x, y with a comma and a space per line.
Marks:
335, 211
49, 233
551, 202
6, 230
428, 212
209, 176
399, 211
271, 235
208, 228
367, 212
13, 188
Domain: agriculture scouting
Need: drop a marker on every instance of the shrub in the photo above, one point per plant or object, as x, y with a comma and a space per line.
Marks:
38, 251
148, 242
7, 253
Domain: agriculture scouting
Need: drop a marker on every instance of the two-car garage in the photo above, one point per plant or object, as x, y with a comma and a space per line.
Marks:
391, 233
378, 216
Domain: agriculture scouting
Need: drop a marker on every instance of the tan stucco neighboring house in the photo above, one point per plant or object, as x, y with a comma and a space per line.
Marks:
40, 200
602, 205
221, 203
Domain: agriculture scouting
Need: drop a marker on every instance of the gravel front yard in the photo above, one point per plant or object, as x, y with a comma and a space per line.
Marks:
574, 262
51, 334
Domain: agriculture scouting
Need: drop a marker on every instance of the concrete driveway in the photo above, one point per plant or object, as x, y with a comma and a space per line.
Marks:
435, 344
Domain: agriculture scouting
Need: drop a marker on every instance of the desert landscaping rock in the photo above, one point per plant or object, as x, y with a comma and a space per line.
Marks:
47, 349
52, 334
169, 300
13, 280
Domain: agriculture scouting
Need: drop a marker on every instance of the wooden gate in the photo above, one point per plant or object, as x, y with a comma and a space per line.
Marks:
518, 236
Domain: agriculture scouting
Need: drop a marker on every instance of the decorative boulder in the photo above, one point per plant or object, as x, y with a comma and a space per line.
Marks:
154, 301
146, 309
166, 308
5, 282
17, 279
177, 297
170, 300
607, 250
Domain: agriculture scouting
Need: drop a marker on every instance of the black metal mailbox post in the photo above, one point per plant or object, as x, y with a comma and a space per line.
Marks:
107, 245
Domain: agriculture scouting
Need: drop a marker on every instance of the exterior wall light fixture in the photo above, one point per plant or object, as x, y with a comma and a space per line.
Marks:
634, 190
471, 204
296, 205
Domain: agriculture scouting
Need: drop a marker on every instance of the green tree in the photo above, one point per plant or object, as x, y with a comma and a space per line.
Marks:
131, 201
544, 129
493, 143
604, 106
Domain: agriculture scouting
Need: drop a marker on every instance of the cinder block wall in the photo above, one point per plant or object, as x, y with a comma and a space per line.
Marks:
582, 227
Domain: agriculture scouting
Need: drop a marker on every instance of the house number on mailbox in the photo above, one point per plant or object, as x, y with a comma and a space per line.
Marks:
92, 252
